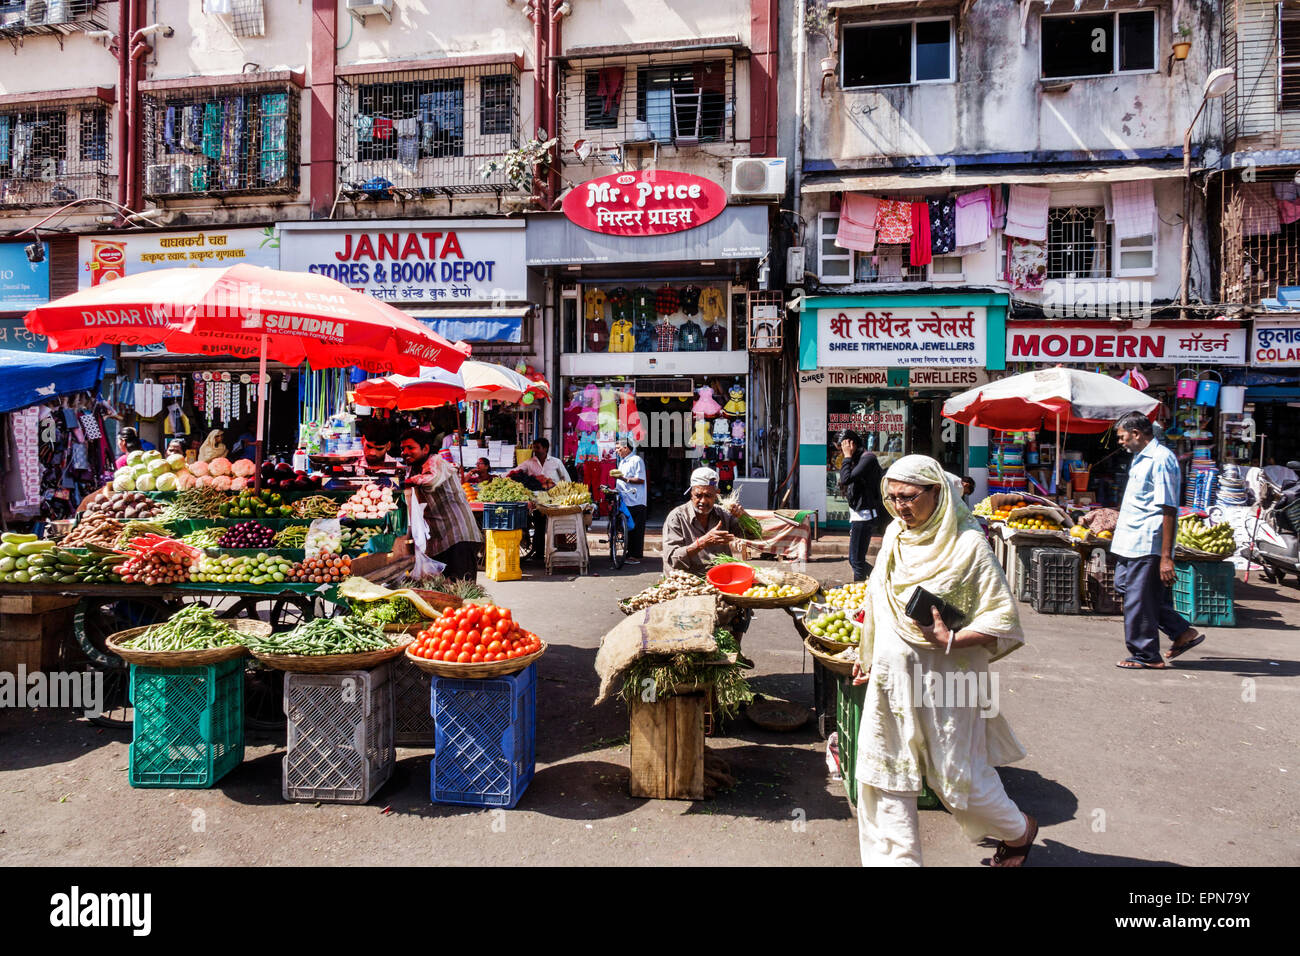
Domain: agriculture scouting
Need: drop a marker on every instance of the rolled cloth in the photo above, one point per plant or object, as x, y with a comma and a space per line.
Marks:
948, 556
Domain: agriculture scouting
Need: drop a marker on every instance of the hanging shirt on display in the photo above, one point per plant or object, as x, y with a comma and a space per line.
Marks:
712, 305
715, 338
665, 337
690, 337
644, 333
666, 301
620, 303
594, 301
689, 300
621, 338
597, 335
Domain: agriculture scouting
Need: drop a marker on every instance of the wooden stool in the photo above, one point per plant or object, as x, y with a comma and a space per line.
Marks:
566, 525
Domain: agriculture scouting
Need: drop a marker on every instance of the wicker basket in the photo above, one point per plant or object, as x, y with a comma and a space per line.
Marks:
1184, 553
553, 512
818, 649
807, 588
475, 671
184, 658
439, 600
329, 663
771, 713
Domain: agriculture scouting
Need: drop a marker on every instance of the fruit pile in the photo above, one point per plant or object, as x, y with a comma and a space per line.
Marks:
474, 634
370, 501
1194, 533
283, 477
772, 591
1004, 513
1080, 533
128, 504
256, 504
247, 534
849, 596
249, 569
503, 489
565, 494
836, 626
321, 568
154, 560
471, 493
1034, 523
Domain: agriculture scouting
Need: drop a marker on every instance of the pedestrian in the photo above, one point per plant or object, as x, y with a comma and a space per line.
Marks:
128, 440
699, 529
1143, 545
967, 489
442, 523
860, 486
632, 486
919, 722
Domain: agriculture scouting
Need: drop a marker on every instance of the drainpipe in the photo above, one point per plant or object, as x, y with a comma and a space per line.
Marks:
561, 10
324, 104
800, 64
134, 50
540, 65
119, 50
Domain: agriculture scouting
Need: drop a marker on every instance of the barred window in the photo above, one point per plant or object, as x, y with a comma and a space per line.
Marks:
602, 97
436, 107
496, 111
53, 154
685, 102
1078, 242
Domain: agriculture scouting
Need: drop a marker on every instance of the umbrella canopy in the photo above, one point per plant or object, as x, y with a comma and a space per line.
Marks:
1057, 399
247, 312
30, 377
406, 392
488, 381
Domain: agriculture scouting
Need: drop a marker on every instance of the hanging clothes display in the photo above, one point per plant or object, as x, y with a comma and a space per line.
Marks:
857, 229
1026, 263
1134, 209
973, 216
919, 253
893, 222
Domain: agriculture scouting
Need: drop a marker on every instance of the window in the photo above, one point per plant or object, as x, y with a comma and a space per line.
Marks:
947, 269
35, 144
436, 107
834, 265
897, 54
1136, 257
1098, 44
682, 103
496, 112
1078, 242
93, 134
1289, 58
602, 97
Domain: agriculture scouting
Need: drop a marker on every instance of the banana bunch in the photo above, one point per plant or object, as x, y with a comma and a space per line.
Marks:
569, 493
1193, 532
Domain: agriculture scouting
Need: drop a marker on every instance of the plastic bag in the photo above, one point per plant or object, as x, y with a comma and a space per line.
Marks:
324, 534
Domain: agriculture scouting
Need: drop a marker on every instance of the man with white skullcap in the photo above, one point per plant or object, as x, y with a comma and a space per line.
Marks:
697, 530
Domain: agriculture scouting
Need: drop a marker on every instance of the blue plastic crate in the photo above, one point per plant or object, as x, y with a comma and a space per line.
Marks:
188, 729
505, 515
1203, 592
485, 739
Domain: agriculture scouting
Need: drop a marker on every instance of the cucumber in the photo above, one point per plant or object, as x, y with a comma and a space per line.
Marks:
21, 577
13, 537
6, 565
34, 547
21, 564
8, 550
67, 579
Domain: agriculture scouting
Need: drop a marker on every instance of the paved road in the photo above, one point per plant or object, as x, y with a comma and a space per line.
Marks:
1187, 767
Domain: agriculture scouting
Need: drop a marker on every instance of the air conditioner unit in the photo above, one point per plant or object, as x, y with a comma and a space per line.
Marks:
757, 178
35, 12
364, 8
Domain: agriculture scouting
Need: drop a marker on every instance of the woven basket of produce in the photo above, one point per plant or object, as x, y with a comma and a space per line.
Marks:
673, 585
831, 659
183, 658
1184, 553
475, 671
328, 645
774, 589
328, 663
551, 511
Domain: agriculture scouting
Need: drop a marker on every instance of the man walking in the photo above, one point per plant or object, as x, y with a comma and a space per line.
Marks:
442, 523
632, 486
1144, 548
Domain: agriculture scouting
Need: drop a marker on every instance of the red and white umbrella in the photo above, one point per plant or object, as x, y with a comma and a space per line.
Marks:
474, 382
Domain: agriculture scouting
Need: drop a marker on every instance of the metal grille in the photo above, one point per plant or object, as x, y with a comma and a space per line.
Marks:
215, 141
666, 100
886, 264
20, 18
426, 132
1259, 252
1263, 107
1078, 242
52, 155
247, 19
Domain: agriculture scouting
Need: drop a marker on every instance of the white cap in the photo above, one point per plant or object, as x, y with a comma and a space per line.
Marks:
703, 477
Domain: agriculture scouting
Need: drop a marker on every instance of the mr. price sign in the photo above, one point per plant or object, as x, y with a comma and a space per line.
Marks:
651, 202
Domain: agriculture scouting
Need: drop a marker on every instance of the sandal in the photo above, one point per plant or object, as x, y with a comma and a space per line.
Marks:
1177, 650
1135, 663
1007, 855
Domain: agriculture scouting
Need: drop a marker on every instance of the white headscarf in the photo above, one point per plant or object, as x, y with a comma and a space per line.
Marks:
948, 556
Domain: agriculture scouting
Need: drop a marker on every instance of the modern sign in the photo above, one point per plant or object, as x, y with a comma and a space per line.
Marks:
901, 336
1192, 344
23, 285
1275, 343
104, 257
650, 202
428, 261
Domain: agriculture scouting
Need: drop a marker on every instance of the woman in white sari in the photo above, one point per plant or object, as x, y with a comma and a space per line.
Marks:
922, 717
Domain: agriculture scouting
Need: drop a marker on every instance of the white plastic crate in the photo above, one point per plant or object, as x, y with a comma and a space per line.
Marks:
340, 735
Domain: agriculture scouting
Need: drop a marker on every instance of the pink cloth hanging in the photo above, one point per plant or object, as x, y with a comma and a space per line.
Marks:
857, 222
920, 250
999, 209
1027, 212
893, 222
1259, 212
1134, 209
974, 217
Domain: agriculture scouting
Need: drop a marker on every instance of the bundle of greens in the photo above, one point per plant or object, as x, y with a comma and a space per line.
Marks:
381, 613
663, 673
325, 635
748, 523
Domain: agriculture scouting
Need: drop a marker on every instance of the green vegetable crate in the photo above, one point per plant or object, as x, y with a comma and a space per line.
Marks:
189, 724
1203, 592
848, 718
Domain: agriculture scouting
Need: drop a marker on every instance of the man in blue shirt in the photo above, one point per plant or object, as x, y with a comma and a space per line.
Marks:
1143, 545
632, 486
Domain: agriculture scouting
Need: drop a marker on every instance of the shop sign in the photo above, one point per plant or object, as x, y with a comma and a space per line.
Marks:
884, 421
1205, 344
431, 261
649, 202
14, 337
104, 257
23, 285
1275, 343
901, 336
845, 377
953, 378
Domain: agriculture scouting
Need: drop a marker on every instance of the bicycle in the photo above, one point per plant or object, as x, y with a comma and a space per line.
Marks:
619, 516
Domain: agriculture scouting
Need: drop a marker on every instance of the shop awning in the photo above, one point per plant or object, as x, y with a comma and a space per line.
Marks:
475, 325
970, 176
30, 377
739, 232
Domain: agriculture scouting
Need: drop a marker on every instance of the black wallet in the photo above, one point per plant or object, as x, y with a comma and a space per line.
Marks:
919, 610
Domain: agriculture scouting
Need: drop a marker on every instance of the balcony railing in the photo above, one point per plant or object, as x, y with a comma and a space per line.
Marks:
54, 153
427, 131
24, 18
1259, 236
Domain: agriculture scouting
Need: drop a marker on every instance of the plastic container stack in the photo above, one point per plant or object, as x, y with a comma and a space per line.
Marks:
188, 726
411, 689
485, 748
1232, 487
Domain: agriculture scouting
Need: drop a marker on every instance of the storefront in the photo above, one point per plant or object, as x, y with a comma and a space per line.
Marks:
1272, 399
651, 341
882, 365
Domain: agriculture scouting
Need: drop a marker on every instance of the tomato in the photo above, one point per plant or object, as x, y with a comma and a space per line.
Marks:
474, 616
476, 658
494, 646
474, 636
507, 614
459, 637
491, 615
462, 658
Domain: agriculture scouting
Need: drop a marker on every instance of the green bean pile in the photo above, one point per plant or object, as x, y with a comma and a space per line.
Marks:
293, 536
196, 503
193, 628
317, 506
325, 635
204, 537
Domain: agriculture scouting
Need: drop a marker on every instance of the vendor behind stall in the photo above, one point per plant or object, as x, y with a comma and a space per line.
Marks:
442, 524
545, 472
376, 444
482, 471
696, 531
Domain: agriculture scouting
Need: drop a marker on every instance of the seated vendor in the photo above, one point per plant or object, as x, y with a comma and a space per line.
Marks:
697, 530
541, 466
482, 471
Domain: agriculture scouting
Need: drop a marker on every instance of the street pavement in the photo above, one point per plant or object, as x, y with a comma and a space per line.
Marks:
1191, 766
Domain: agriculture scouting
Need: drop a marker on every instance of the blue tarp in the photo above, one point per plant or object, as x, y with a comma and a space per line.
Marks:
30, 377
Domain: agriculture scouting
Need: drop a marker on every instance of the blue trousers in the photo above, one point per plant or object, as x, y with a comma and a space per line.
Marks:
1148, 606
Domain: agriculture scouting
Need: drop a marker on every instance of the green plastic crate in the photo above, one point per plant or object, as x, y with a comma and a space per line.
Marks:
1203, 592
848, 718
188, 729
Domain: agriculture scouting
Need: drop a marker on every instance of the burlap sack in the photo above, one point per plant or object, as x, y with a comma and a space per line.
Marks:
681, 626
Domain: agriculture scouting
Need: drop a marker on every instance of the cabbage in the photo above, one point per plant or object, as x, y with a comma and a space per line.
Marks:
124, 483
176, 462
124, 472
166, 482
219, 466
151, 455
135, 457
158, 467
144, 482
138, 469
